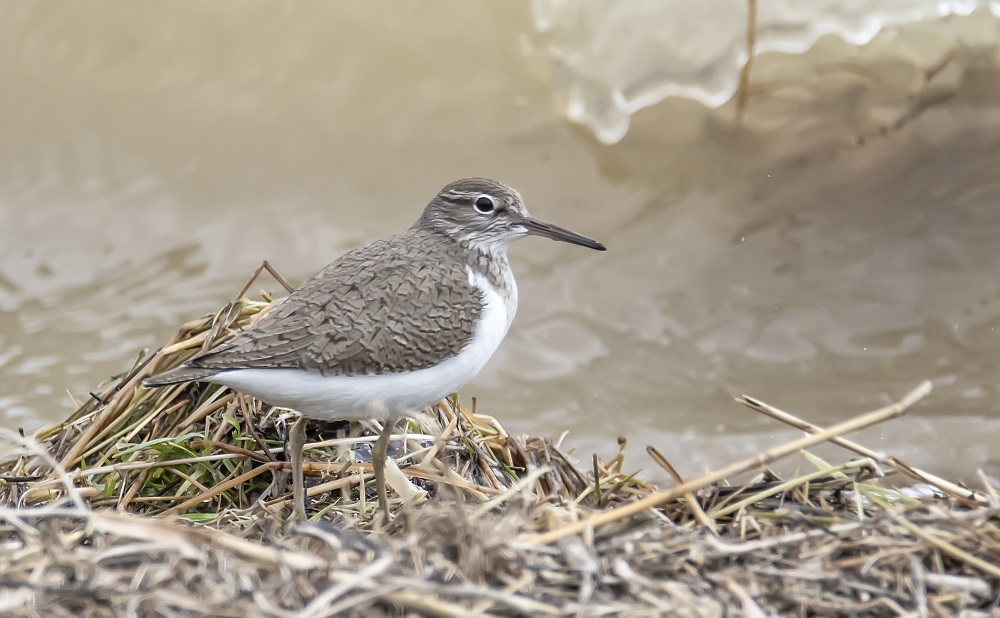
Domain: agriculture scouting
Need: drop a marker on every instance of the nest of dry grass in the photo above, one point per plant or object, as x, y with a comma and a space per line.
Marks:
175, 502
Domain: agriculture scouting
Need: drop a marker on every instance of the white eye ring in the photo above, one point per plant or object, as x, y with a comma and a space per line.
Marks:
484, 204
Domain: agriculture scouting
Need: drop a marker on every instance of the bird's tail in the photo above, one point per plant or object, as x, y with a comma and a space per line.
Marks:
179, 375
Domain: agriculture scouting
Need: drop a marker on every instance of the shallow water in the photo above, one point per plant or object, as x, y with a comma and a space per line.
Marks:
151, 160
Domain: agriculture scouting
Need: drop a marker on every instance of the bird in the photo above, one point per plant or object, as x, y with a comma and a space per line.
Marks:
388, 329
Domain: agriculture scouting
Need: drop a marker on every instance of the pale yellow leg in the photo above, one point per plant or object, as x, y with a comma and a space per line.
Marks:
296, 443
379, 455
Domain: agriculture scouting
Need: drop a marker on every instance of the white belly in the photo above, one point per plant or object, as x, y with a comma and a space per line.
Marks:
380, 396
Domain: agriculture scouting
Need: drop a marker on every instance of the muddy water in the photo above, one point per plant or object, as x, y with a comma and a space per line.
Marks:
151, 158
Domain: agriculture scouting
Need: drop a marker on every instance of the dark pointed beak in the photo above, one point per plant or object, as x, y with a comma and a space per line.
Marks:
537, 227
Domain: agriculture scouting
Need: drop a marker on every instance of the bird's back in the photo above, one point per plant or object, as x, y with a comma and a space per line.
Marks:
396, 305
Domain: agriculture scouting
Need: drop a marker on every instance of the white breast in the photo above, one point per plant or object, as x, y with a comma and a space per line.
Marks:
381, 396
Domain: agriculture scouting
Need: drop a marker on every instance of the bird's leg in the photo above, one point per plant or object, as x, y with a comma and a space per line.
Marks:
379, 455
296, 442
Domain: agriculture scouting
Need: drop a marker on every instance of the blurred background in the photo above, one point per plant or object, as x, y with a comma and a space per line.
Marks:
823, 238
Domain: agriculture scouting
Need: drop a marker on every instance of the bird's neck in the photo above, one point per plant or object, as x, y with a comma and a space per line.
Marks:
490, 261
485, 258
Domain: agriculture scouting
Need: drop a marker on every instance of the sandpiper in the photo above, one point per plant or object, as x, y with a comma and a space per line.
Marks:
388, 329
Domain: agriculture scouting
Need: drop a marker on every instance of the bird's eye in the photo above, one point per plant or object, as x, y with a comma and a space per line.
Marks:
484, 205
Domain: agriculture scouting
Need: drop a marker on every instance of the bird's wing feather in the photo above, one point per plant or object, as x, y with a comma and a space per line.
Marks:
375, 310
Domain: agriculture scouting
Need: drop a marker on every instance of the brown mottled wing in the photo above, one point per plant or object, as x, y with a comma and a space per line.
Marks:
375, 310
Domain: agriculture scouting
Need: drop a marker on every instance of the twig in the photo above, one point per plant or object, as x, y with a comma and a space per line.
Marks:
786, 486
974, 561
221, 488
689, 497
894, 462
265, 265
743, 89
658, 498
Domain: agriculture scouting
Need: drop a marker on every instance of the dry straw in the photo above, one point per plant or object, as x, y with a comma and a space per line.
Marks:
175, 502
